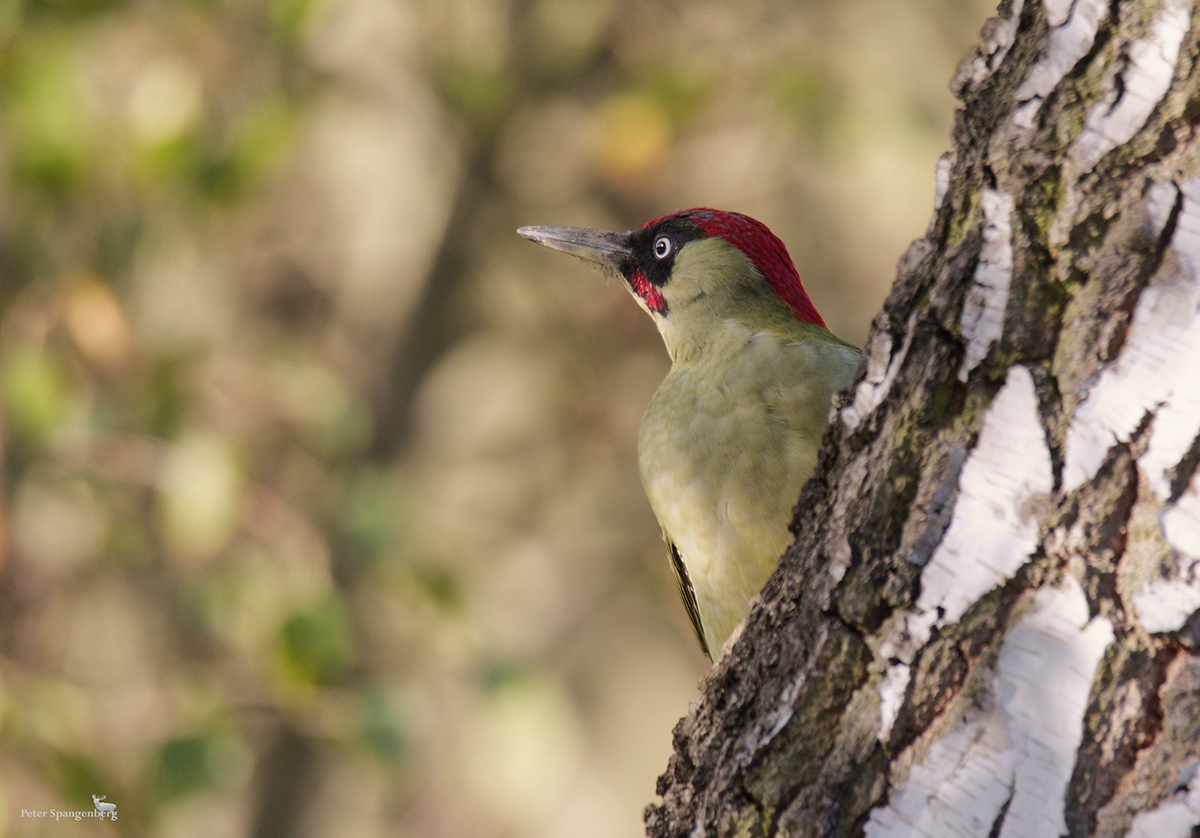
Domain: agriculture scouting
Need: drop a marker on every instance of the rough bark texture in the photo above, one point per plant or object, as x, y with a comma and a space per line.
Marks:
987, 624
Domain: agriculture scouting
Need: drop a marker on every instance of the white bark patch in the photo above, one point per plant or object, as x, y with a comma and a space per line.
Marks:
1155, 371
882, 367
759, 736
1176, 816
1181, 522
772, 723
998, 37
993, 529
1070, 39
909, 634
1166, 604
891, 697
1174, 307
982, 319
1144, 82
1056, 11
1160, 200
1021, 750
1000, 40
941, 179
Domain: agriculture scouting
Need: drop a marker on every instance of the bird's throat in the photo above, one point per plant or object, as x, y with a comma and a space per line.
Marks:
647, 293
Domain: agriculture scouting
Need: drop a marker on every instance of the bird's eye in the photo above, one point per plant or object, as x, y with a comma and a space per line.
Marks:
662, 247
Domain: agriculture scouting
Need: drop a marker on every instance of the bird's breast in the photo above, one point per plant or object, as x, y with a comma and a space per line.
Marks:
725, 445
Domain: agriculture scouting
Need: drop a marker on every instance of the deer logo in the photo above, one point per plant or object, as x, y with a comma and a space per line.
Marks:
109, 809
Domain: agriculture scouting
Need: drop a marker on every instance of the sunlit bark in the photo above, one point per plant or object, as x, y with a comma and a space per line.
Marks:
988, 623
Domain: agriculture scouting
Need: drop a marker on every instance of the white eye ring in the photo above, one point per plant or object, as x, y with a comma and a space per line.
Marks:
662, 247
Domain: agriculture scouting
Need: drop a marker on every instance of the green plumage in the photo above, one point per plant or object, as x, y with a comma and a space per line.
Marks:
733, 431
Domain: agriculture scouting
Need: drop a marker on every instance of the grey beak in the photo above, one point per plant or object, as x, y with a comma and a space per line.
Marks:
609, 249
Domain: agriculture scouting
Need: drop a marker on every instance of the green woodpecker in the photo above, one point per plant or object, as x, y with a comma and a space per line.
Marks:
733, 431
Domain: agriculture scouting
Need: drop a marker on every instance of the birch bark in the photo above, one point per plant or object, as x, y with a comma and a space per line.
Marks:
989, 622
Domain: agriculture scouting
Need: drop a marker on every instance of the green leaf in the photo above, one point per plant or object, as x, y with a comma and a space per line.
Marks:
316, 645
36, 393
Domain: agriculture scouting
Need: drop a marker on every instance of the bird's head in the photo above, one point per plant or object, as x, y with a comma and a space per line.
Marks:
694, 269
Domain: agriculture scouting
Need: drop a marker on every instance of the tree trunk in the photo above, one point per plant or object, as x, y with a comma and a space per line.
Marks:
987, 625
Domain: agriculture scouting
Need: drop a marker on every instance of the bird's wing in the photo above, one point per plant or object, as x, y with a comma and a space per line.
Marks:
686, 592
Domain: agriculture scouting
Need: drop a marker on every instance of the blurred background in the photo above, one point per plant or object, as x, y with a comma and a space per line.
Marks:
319, 509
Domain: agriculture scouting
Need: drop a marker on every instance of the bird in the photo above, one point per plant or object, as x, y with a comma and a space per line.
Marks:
732, 433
